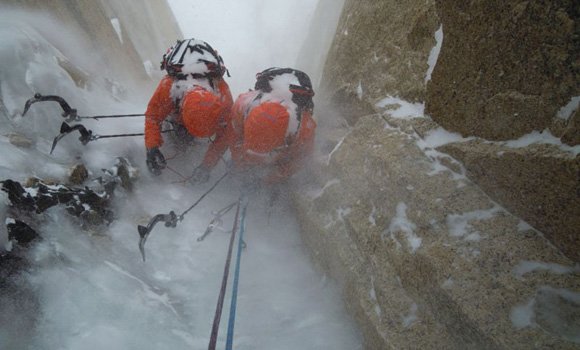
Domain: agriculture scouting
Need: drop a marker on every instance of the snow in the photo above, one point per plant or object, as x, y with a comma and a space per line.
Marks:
448, 283
343, 212
436, 138
566, 111
31, 191
434, 54
117, 26
373, 296
405, 109
439, 137
372, 219
250, 35
91, 290
526, 267
541, 137
522, 315
524, 226
318, 193
409, 319
335, 149
281, 93
459, 226
551, 309
400, 223
149, 68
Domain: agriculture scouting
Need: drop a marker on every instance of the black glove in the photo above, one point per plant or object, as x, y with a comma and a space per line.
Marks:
200, 175
155, 161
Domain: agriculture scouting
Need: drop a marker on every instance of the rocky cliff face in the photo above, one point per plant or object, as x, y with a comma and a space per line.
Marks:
441, 241
380, 48
506, 68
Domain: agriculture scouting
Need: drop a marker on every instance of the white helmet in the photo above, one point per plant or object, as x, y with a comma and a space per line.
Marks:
193, 57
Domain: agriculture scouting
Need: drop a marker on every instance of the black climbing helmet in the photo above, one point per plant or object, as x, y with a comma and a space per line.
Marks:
297, 82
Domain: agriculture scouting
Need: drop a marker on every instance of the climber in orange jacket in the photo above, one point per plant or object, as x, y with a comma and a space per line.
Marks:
192, 95
271, 129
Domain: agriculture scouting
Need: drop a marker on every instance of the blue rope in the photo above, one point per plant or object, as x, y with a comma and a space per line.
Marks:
220, 303
232, 319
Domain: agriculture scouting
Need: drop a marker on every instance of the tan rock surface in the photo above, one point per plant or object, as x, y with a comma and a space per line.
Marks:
381, 46
505, 67
539, 183
398, 229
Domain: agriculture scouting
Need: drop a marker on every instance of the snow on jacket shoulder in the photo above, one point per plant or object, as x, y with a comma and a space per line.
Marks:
257, 139
203, 110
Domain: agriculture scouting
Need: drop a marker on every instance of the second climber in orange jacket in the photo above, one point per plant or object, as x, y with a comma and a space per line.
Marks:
271, 129
195, 96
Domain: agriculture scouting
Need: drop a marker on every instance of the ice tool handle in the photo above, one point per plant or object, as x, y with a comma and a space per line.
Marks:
170, 220
69, 113
87, 135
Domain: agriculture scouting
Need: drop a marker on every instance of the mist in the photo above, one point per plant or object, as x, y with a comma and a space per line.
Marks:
90, 289
250, 35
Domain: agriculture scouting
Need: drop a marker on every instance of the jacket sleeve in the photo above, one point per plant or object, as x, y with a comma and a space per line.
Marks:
159, 107
219, 145
223, 136
293, 158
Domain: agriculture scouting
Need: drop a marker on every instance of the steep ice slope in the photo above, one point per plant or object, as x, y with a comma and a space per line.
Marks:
90, 290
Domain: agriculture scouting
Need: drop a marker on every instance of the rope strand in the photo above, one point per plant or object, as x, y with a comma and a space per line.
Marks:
220, 303
234, 302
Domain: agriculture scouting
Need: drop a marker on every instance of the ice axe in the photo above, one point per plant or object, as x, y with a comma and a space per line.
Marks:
69, 112
170, 219
86, 134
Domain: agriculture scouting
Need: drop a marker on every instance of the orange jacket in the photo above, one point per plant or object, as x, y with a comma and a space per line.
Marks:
250, 145
195, 102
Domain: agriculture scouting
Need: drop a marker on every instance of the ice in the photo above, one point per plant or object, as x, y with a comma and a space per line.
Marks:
91, 290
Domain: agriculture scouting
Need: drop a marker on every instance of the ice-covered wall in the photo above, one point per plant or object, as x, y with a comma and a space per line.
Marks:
116, 39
